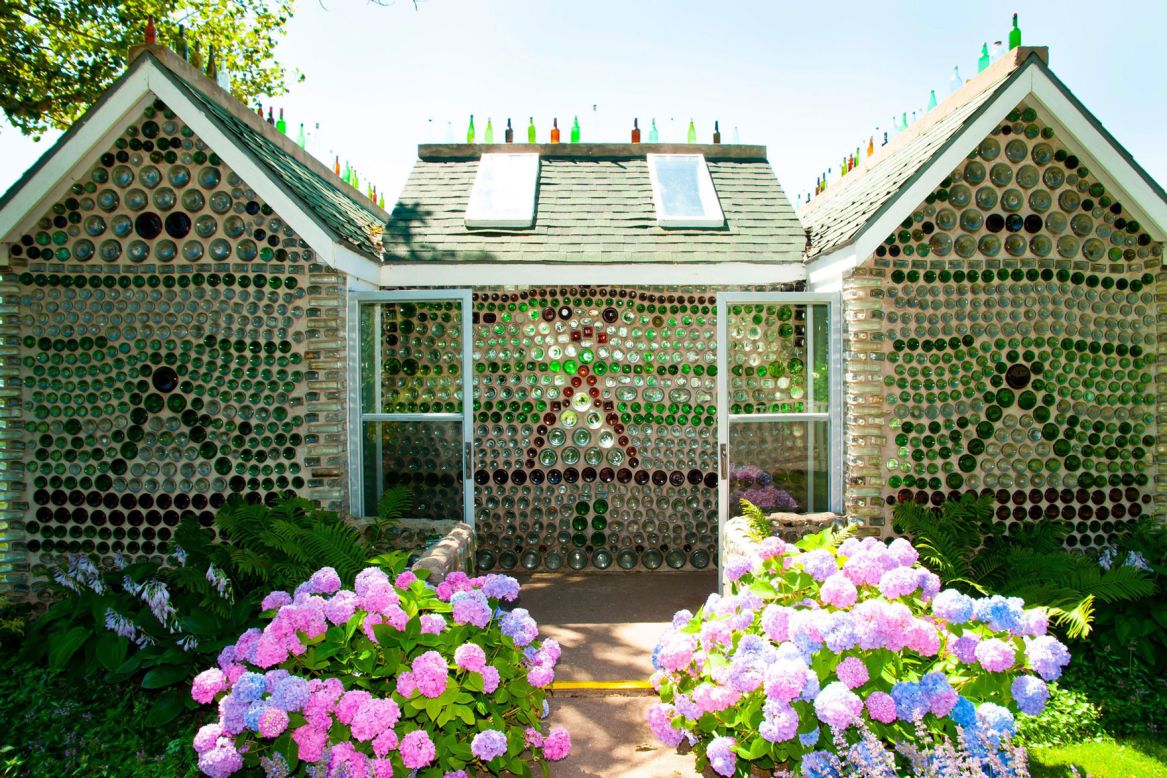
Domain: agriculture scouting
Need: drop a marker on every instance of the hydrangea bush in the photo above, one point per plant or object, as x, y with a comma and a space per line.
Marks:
390, 677
824, 650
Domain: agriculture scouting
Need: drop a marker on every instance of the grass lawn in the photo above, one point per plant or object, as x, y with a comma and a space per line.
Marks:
1105, 759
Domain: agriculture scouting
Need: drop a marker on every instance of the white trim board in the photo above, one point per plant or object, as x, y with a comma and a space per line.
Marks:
555, 273
75, 155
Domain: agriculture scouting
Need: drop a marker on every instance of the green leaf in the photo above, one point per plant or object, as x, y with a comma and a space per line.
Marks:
167, 707
167, 675
111, 650
62, 646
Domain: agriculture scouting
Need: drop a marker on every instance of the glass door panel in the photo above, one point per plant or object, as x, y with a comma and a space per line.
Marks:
413, 385
778, 402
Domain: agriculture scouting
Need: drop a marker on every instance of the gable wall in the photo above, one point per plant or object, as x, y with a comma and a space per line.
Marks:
948, 313
171, 341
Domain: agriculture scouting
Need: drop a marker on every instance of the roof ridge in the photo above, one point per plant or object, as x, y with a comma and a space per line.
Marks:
198, 80
988, 79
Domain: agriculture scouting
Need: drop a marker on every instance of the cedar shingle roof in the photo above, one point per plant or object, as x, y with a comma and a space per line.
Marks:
594, 204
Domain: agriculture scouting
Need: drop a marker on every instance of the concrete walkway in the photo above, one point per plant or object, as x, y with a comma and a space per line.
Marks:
608, 625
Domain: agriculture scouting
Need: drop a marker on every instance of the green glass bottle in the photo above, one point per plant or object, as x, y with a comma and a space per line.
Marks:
692, 132
653, 135
531, 131
983, 62
1014, 35
470, 130
282, 125
575, 131
489, 132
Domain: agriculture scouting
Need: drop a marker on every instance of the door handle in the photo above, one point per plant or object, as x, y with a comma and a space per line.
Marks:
466, 463
724, 459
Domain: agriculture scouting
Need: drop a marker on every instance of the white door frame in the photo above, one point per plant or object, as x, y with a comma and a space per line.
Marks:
357, 416
833, 416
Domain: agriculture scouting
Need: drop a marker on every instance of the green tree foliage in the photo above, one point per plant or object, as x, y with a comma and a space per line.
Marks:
962, 544
58, 56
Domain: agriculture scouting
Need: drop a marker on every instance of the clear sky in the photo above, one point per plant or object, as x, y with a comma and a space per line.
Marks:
810, 80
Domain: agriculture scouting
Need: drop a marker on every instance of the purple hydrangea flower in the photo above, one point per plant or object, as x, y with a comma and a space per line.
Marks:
324, 581
911, 704
501, 587
881, 707
488, 744
519, 626
290, 693
1030, 694
738, 566
721, 755
471, 607
1047, 656
839, 591
820, 563
660, 717
250, 687
779, 722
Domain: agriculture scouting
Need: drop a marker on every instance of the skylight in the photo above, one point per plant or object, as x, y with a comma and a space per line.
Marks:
683, 191
504, 191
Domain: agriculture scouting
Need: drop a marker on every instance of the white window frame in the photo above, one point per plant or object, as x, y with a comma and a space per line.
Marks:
710, 204
526, 166
833, 415
357, 417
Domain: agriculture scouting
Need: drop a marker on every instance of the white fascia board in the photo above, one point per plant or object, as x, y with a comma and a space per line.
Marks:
825, 272
354, 265
557, 273
77, 154
329, 251
874, 232
1105, 160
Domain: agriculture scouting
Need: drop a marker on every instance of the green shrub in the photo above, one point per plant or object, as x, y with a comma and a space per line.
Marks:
56, 727
160, 624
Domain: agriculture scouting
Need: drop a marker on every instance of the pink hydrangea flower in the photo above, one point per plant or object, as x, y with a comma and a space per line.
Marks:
341, 607
350, 703
432, 624
470, 656
406, 685
838, 706
324, 581
557, 744
994, 655
275, 600
490, 679
838, 591
540, 676
373, 717
677, 651
207, 684
852, 672
207, 736
430, 673
310, 743
902, 552
385, 742
273, 722
881, 707
417, 750
404, 580
367, 578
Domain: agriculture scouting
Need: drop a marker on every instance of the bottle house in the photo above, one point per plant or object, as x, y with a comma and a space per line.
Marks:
588, 352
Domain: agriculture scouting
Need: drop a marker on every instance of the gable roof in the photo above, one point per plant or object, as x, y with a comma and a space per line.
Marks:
859, 210
340, 223
594, 205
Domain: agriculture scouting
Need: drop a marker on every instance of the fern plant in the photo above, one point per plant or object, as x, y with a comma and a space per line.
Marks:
390, 508
758, 526
960, 542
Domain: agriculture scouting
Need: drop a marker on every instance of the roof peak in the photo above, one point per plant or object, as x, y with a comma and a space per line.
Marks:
165, 57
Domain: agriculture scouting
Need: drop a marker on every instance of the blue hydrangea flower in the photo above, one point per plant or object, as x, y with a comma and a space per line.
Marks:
965, 713
250, 687
1030, 694
911, 702
808, 739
